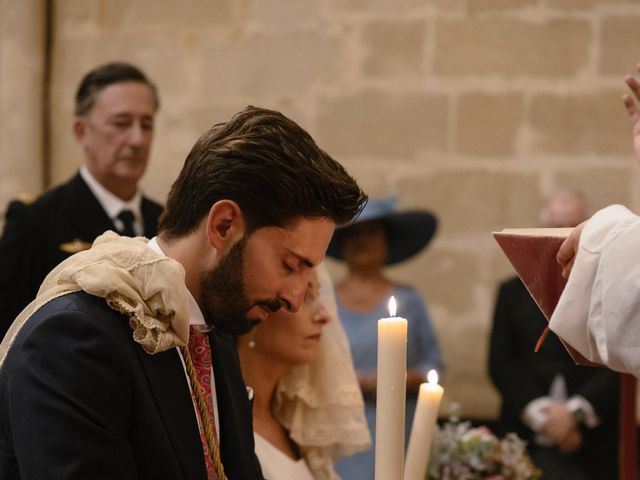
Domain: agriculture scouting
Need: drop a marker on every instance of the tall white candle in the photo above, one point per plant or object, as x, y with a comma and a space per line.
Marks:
423, 427
391, 395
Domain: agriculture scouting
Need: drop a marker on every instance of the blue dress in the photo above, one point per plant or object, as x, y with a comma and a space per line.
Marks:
423, 354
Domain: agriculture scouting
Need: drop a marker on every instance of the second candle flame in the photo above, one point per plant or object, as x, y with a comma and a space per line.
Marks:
432, 377
392, 306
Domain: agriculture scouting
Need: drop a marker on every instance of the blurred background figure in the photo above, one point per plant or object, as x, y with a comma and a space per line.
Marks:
307, 405
382, 236
567, 413
115, 106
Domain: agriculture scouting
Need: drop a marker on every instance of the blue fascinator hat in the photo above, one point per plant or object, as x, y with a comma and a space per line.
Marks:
408, 231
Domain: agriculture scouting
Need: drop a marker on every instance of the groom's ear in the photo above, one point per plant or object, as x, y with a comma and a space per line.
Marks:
225, 225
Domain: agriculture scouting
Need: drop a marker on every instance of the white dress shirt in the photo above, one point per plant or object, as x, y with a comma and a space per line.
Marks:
276, 465
196, 319
113, 205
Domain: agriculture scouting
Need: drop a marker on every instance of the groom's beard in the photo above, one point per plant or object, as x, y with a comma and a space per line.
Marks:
224, 295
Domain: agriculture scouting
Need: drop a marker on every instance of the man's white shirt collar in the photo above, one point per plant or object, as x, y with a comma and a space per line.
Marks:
196, 319
195, 314
112, 204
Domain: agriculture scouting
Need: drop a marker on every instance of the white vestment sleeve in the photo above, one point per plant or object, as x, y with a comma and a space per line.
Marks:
599, 311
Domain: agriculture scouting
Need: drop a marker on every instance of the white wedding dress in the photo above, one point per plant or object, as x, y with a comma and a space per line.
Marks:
276, 465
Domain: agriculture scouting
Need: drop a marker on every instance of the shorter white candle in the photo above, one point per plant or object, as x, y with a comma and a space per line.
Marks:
424, 423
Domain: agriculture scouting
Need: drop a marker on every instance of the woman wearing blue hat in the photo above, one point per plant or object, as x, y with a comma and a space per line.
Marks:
382, 236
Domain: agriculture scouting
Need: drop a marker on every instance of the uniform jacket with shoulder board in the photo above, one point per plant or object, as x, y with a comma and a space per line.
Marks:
39, 235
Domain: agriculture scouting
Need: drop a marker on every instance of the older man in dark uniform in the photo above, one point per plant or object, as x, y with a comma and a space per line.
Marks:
115, 108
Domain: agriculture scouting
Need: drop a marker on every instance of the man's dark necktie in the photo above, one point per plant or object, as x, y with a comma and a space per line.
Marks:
127, 217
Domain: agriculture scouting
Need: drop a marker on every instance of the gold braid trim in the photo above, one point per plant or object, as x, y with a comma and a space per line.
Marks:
201, 403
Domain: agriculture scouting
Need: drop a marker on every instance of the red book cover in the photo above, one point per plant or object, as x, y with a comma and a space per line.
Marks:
532, 252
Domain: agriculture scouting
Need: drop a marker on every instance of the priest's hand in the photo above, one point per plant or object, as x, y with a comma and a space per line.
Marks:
569, 249
630, 102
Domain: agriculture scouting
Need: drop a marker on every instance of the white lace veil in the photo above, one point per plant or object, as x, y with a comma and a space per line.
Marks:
321, 404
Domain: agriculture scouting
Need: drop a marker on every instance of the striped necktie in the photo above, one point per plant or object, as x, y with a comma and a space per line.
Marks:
199, 370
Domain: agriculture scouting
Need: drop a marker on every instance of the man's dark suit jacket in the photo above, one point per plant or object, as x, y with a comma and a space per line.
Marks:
521, 375
35, 236
79, 399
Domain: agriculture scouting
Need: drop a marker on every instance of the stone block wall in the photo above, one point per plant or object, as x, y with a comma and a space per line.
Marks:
22, 65
475, 109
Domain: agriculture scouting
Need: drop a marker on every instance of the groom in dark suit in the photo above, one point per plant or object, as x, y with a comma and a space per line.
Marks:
115, 107
249, 216
567, 413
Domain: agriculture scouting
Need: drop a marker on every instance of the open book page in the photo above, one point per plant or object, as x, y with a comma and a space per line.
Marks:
532, 252
536, 232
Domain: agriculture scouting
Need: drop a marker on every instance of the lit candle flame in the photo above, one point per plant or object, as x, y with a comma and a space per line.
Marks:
432, 377
393, 306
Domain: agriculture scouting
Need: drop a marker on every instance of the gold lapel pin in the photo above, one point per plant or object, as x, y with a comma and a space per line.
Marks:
75, 246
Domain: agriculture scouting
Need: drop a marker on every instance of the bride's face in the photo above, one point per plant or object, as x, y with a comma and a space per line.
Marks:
294, 338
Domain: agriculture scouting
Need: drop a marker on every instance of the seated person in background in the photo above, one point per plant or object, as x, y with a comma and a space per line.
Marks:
307, 406
382, 236
568, 413
115, 107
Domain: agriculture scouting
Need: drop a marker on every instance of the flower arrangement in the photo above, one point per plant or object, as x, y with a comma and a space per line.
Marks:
460, 452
